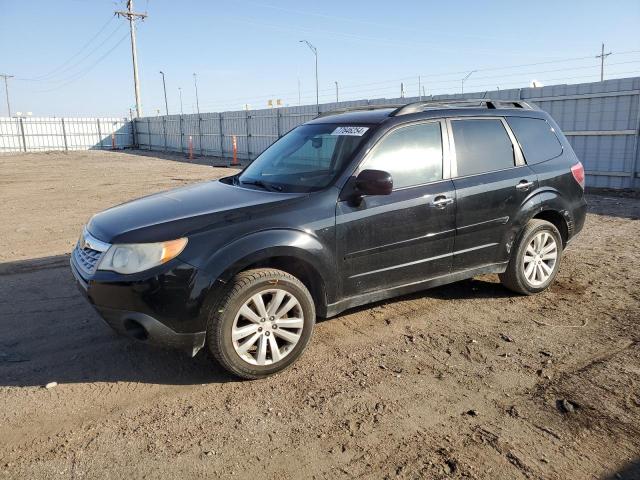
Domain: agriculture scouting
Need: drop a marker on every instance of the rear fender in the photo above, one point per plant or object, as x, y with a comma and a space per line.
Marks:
540, 200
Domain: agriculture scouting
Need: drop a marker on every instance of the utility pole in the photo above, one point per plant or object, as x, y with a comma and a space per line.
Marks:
336, 92
164, 86
195, 82
315, 52
131, 15
401, 89
6, 89
299, 92
602, 56
180, 91
419, 88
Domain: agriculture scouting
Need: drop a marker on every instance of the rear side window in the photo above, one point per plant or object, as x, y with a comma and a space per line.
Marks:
412, 155
537, 139
481, 146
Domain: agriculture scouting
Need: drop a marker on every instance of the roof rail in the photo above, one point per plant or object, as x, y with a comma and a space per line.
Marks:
416, 107
359, 108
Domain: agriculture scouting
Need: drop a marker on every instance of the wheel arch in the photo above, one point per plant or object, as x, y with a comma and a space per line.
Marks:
297, 253
555, 208
558, 220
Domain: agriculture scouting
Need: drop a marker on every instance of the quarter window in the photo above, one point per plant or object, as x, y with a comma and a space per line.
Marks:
537, 139
412, 155
481, 146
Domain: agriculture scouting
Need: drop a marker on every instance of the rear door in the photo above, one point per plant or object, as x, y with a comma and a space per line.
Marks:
407, 236
492, 182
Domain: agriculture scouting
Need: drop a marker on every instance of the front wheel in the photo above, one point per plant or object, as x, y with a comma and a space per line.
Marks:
262, 323
535, 260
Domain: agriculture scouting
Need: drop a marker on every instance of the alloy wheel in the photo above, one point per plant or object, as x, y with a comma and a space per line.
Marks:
540, 258
267, 327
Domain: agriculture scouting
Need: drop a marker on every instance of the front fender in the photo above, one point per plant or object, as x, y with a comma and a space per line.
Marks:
234, 257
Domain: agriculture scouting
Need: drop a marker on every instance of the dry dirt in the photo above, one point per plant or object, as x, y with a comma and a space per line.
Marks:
463, 381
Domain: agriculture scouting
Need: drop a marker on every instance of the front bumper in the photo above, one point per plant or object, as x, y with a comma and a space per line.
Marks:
145, 328
161, 309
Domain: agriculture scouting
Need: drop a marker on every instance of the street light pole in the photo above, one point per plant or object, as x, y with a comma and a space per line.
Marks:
164, 86
315, 52
6, 88
337, 92
180, 91
195, 82
465, 78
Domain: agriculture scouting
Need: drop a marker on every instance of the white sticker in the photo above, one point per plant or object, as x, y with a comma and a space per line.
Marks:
350, 131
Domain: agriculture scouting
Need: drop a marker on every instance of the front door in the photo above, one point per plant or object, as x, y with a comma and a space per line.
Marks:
407, 236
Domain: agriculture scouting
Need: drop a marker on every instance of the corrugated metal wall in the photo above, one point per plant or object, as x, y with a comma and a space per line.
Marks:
600, 119
32, 134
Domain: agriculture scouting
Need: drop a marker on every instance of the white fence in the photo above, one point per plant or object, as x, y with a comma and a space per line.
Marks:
601, 120
30, 134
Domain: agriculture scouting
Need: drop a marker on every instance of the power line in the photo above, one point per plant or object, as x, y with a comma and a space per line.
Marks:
410, 84
61, 68
394, 82
86, 70
559, 79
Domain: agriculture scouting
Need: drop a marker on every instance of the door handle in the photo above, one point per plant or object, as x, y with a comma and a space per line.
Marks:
524, 185
442, 202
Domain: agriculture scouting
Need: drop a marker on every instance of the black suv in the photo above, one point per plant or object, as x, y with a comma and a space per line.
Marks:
347, 209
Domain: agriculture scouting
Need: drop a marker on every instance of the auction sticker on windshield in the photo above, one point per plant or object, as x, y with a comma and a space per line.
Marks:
351, 131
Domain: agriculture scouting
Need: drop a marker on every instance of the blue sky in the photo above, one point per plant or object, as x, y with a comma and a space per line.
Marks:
70, 57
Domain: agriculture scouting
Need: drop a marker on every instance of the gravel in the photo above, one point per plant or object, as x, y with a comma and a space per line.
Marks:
378, 394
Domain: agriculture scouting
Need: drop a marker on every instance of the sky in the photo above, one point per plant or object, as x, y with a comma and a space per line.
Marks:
73, 57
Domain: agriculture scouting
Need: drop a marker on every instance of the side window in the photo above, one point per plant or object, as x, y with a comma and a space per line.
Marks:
481, 146
412, 155
537, 139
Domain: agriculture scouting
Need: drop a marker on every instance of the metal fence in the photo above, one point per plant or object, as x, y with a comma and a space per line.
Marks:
600, 119
30, 134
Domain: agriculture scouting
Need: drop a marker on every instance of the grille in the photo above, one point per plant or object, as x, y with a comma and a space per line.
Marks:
86, 258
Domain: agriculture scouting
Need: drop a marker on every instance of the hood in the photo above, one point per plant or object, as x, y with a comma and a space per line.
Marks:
180, 212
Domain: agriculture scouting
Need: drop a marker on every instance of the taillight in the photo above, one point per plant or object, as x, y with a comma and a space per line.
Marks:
578, 173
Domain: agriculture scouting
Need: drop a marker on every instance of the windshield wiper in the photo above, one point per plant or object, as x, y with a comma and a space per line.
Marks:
261, 184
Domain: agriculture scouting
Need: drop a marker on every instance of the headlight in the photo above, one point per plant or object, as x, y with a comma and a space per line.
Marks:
137, 257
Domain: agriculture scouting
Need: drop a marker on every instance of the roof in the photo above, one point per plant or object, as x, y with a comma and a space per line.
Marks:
356, 116
375, 114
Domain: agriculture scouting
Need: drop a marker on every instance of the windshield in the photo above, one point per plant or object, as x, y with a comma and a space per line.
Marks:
306, 159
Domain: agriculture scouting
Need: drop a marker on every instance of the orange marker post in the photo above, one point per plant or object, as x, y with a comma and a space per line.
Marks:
190, 147
234, 142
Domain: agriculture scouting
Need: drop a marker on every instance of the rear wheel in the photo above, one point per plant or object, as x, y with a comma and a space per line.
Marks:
262, 323
535, 261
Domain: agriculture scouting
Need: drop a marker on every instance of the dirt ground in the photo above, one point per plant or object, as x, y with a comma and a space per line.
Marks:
462, 381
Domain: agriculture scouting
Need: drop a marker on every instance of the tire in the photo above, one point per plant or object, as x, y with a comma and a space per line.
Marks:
237, 318
537, 271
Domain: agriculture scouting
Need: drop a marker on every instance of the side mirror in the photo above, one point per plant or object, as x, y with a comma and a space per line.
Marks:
374, 182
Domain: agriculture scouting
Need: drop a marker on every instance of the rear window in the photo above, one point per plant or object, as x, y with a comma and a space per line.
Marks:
481, 146
536, 137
